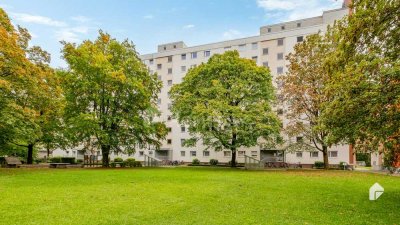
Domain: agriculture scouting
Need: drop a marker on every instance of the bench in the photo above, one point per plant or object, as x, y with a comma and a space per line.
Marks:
58, 165
13, 162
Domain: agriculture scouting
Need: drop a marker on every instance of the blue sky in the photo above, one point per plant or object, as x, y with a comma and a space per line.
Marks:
151, 22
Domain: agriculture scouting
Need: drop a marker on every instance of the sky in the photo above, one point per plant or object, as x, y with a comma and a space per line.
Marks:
149, 23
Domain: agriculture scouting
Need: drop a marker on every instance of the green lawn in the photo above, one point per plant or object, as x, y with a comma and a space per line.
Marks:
194, 196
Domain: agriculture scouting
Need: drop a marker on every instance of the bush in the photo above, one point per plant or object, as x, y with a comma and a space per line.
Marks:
114, 164
130, 162
118, 159
195, 162
342, 165
319, 164
79, 161
213, 162
70, 160
55, 159
138, 164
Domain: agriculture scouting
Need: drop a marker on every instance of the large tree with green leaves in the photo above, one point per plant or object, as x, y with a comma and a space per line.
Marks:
29, 92
227, 103
303, 92
365, 109
110, 97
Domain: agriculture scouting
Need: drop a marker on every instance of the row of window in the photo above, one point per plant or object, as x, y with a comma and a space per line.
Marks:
226, 153
241, 47
331, 154
269, 29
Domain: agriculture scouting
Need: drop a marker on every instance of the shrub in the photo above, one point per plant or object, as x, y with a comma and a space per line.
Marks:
137, 164
213, 162
79, 161
342, 165
130, 162
55, 159
118, 159
195, 162
319, 164
70, 160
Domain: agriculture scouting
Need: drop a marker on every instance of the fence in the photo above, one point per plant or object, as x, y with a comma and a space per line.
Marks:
151, 162
252, 163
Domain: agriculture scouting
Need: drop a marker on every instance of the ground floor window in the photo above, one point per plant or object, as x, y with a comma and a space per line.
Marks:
254, 153
333, 154
206, 153
193, 153
299, 154
183, 153
141, 153
314, 154
227, 153
241, 153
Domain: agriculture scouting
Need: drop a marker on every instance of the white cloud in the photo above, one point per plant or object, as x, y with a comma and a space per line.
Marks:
148, 17
189, 26
28, 18
231, 34
285, 10
81, 19
71, 34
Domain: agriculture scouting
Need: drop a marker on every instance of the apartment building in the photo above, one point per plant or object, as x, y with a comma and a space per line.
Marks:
172, 61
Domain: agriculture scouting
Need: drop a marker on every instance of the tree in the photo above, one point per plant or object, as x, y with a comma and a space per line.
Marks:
303, 92
227, 103
110, 97
29, 91
365, 109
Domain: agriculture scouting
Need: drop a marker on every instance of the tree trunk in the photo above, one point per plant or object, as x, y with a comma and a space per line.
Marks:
233, 160
325, 154
29, 160
105, 151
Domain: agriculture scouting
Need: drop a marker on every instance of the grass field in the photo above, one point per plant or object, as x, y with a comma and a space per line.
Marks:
194, 196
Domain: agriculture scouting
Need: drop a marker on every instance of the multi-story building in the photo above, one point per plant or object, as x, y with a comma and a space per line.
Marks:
172, 61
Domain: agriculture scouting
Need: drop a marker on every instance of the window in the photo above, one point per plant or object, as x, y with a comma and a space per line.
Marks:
265, 64
159, 77
183, 142
169, 59
254, 153
150, 152
299, 139
279, 70
254, 46
183, 68
280, 111
141, 153
241, 153
242, 47
169, 129
227, 153
183, 129
169, 82
193, 153
151, 61
169, 118
193, 55
298, 24
299, 38
282, 27
314, 154
183, 56
169, 70
279, 56
269, 29
165, 47
159, 101
254, 58
206, 153
159, 66
299, 154
183, 153
280, 41
265, 51
332, 154
169, 141
207, 53
169, 106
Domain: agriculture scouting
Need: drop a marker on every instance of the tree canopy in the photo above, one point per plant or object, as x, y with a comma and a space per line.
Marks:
110, 97
227, 103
